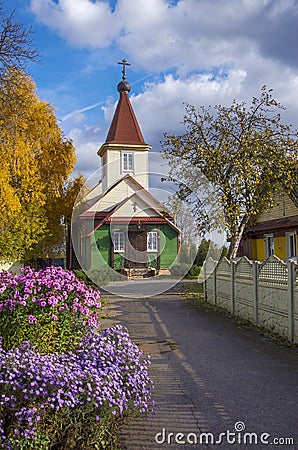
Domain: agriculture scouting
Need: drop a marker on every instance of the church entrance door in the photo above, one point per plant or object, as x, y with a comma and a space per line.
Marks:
136, 249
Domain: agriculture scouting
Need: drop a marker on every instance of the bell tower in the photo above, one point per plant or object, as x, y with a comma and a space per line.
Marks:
124, 150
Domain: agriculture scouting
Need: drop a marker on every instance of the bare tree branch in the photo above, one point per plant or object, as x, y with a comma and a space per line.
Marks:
16, 45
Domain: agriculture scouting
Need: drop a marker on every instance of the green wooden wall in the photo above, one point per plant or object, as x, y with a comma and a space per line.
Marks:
118, 261
168, 240
101, 248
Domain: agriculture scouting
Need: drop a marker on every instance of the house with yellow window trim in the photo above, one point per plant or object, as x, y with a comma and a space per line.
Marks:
274, 231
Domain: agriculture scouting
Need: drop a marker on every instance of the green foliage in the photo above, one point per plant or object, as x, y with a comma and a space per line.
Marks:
194, 290
98, 277
179, 270
82, 275
68, 401
152, 260
78, 428
62, 397
184, 254
202, 252
194, 271
244, 153
41, 442
46, 333
224, 252
103, 276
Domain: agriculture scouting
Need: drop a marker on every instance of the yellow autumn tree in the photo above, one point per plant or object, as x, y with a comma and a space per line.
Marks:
36, 162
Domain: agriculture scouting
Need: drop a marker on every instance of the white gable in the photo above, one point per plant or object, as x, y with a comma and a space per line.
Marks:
135, 207
94, 194
122, 190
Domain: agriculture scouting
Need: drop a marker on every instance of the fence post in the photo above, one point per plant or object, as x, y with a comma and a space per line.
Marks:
205, 280
233, 267
255, 281
291, 286
214, 285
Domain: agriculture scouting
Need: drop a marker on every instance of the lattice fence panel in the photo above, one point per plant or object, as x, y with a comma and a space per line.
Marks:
224, 267
243, 268
273, 272
209, 267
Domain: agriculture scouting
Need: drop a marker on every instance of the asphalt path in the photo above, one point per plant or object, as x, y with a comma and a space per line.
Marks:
216, 383
141, 288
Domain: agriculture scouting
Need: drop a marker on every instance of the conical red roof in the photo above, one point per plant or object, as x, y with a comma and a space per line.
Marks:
124, 128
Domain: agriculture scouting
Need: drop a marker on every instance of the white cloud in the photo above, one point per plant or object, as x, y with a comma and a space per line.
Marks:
161, 107
81, 22
86, 141
191, 35
217, 50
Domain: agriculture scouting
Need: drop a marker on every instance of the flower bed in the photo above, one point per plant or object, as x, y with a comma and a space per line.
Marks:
51, 308
70, 398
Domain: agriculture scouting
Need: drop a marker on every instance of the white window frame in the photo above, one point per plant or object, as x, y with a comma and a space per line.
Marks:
127, 165
269, 245
152, 241
291, 235
119, 246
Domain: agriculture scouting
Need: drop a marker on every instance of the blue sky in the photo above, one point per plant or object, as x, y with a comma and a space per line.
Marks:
197, 51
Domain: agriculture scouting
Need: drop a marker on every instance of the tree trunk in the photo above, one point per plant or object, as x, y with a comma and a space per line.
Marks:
236, 238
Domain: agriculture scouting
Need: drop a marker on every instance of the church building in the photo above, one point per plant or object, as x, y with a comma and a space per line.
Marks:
121, 224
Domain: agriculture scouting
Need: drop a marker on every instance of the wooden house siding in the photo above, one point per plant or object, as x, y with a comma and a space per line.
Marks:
258, 248
277, 221
134, 207
169, 253
101, 249
113, 197
112, 167
283, 207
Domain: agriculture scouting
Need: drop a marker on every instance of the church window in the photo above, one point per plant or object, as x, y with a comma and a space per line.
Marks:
127, 162
119, 241
152, 241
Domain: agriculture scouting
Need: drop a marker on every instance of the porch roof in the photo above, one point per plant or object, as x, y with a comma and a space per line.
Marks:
270, 226
107, 216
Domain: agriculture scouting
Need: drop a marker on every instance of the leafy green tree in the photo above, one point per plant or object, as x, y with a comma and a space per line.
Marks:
185, 220
184, 253
244, 152
202, 252
36, 162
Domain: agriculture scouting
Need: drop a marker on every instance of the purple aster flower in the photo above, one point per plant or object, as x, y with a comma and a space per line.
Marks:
32, 319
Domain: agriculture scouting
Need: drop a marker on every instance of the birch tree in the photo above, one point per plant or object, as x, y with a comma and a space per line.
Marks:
244, 151
36, 162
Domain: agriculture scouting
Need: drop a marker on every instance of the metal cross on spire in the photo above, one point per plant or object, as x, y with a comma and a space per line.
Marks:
124, 63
